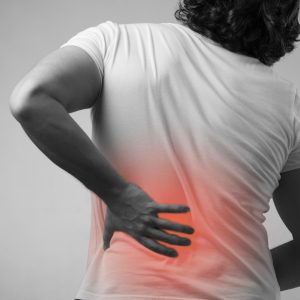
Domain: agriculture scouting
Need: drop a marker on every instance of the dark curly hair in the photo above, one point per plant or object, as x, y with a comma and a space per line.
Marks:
263, 29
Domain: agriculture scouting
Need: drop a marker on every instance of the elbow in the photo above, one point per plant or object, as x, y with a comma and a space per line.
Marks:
17, 107
296, 240
20, 100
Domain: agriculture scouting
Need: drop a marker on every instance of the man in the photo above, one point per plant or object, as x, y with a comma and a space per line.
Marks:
184, 115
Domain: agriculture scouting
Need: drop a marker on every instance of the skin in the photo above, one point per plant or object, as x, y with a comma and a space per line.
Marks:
286, 257
42, 101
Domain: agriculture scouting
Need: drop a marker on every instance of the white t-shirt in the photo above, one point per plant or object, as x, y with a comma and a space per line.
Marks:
191, 123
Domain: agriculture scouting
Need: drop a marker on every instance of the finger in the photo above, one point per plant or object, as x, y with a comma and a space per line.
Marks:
165, 237
171, 208
166, 224
106, 238
156, 247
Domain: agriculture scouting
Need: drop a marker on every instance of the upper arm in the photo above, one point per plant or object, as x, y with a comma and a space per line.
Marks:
68, 74
72, 75
286, 198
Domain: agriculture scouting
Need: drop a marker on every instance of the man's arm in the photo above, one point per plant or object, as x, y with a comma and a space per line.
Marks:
286, 257
65, 81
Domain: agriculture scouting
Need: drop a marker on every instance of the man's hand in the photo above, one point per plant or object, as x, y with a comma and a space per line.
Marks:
135, 213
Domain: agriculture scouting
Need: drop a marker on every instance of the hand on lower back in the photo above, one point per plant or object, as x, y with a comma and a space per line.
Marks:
135, 213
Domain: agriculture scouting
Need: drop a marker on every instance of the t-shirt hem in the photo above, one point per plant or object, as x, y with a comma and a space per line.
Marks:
84, 295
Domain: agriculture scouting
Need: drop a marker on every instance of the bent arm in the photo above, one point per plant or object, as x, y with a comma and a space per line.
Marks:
42, 102
286, 257
286, 263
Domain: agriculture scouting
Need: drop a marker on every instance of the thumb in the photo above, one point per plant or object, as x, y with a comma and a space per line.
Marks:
108, 233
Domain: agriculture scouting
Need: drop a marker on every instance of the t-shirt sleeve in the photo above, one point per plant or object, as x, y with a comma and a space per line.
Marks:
95, 41
293, 160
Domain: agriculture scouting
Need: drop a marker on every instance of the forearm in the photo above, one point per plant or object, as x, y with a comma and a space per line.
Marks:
60, 138
286, 260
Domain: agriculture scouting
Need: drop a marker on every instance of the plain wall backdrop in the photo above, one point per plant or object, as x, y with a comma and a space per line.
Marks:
45, 212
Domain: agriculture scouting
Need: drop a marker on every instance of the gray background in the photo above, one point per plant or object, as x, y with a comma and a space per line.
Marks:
45, 212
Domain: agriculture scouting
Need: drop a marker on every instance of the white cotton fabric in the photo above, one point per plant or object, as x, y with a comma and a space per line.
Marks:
191, 123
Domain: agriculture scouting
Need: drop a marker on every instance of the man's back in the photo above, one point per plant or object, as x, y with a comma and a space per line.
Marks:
191, 123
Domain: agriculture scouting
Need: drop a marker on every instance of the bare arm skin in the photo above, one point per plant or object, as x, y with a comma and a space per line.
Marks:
42, 101
286, 257
65, 81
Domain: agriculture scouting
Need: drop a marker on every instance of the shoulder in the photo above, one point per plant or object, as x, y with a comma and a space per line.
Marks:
140, 26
